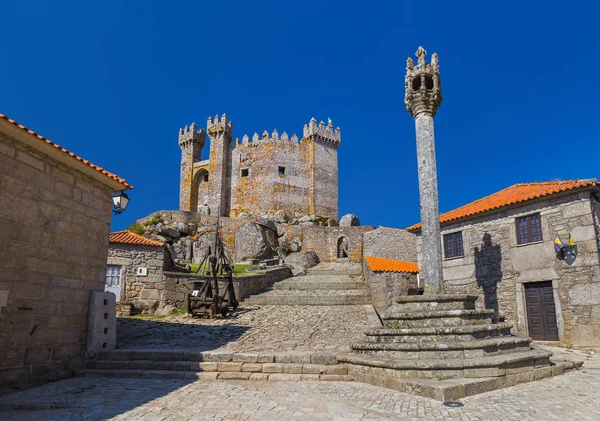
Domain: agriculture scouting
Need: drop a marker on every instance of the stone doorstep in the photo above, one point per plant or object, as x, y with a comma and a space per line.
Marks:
458, 388
222, 375
323, 358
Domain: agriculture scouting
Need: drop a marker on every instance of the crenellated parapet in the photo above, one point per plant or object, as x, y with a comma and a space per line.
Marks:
322, 132
219, 127
269, 139
191, 135
422, 85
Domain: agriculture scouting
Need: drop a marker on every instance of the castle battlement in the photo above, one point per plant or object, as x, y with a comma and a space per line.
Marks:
322, 131
190, 134
266, 139
219, 125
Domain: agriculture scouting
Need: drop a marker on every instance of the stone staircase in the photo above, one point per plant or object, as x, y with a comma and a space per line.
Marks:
217, 365
442, 347
317, 287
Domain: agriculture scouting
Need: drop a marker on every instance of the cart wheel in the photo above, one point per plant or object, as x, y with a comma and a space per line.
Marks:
235, 305
224, 312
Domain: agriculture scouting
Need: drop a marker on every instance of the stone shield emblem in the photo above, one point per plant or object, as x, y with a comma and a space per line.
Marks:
570, 254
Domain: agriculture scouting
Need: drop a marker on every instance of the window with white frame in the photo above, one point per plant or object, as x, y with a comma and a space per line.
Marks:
113, 276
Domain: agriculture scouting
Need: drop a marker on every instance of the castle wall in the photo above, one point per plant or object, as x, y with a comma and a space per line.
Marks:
324, 179
264, 190
307, 184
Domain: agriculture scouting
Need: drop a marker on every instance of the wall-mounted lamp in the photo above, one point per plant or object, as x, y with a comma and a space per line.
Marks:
120, 201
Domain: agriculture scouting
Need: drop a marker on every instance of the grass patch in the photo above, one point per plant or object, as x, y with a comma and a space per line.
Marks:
238, 269
137, 228
155, 220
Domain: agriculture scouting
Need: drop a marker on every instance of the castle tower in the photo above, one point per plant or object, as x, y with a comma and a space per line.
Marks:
422, 99
220, 132
191, 142
323, 142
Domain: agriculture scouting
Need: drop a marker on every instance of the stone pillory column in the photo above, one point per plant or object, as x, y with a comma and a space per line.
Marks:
422, 99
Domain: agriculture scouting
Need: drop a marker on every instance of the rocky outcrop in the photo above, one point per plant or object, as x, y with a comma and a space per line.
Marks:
349, 220
253, 242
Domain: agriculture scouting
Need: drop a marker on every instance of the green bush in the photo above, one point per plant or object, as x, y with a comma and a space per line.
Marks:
155, 220
137, 228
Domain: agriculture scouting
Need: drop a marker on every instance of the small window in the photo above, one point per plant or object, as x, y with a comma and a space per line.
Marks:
453, 245
245, 172
281, 171
529, 229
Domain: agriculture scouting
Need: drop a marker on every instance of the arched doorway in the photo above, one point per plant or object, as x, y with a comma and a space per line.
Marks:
342, 248
200, 189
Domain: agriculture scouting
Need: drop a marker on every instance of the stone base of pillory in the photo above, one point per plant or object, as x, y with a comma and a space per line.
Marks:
441, 347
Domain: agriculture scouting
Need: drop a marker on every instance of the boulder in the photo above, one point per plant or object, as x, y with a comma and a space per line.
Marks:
349, 220
268, 224
251, 242
306, 260
170, 231
296, 269
164, 238
295, 244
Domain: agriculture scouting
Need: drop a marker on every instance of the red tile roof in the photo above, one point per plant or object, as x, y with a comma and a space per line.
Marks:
514, 194
85, 161
128, 237
380, 264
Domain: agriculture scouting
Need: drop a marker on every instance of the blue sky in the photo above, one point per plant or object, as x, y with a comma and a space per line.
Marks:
113, 81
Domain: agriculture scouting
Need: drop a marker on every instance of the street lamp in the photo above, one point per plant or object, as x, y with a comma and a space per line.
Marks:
120, 201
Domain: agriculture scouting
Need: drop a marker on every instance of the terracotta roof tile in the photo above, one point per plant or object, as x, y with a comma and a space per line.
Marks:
515, 194
85, 161
380, 264
128, 237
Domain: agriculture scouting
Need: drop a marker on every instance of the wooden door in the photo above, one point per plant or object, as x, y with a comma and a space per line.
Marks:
541, 311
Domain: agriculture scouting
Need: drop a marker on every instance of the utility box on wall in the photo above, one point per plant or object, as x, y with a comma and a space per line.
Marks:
142, 272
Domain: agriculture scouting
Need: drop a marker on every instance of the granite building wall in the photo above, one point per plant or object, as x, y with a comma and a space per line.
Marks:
54, 225
497, 267
142, 292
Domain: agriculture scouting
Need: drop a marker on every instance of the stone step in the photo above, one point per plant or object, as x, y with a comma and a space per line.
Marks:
196, 366
318, 358
326, 278
438, 334
494, 366
325, 272
445, 350
223, 375
305, 298
408, 303
313, 286
451, 390
395, 319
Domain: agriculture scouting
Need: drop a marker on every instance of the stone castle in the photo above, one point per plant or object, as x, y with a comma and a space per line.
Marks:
265, 175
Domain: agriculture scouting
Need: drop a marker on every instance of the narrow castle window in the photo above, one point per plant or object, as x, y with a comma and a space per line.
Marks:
245, 172
281, 171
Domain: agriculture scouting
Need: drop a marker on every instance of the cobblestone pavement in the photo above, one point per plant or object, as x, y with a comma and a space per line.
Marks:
253, 328
573, 396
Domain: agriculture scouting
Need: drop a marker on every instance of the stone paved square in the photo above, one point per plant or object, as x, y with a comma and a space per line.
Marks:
573, 396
